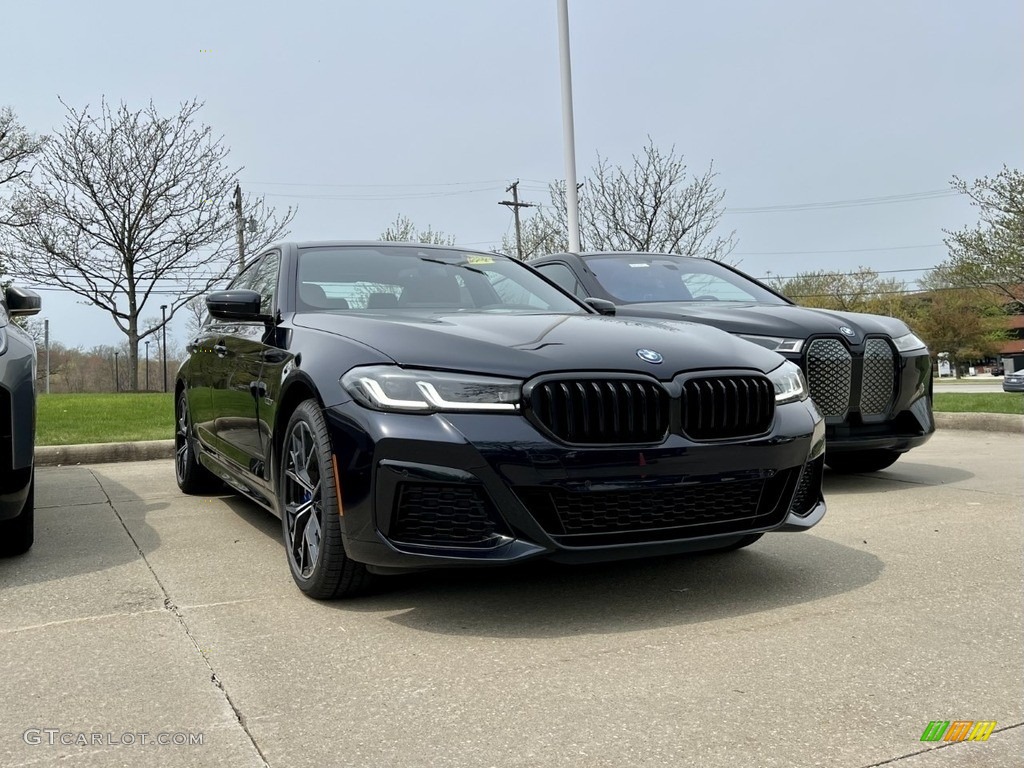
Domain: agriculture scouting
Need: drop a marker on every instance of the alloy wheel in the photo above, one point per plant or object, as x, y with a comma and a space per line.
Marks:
303, 500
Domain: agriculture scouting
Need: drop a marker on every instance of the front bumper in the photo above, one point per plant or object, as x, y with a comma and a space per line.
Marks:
906, 422
422, 491
17, 430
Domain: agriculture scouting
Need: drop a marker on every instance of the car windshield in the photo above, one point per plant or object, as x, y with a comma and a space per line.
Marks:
429, 279
631, 278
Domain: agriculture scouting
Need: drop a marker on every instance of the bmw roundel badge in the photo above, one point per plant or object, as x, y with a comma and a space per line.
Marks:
649, 356
847, 331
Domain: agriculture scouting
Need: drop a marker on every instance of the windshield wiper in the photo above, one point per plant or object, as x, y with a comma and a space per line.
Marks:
450, 264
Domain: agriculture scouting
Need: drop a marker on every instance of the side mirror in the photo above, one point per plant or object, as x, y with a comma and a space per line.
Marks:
603, 306
240, 304
22, 301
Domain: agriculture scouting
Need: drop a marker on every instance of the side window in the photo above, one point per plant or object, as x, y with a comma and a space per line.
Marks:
563, 277
264, 282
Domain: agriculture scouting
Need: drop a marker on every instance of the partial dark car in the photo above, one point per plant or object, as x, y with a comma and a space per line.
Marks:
869, 375
17, 422
1014, 382
404, 406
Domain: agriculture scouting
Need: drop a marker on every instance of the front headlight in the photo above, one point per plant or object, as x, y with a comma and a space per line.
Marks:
790, 384
908, 342
774, 343
390, 388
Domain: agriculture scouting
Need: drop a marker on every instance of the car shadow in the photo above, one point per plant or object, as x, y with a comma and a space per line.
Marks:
903, 475
545, 600
78, 528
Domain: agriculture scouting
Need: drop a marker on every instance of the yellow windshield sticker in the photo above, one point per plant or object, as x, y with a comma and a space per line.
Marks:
474, 259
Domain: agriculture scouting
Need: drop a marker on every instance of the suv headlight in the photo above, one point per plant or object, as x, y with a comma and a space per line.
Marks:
908, 342
790, 384
774, 343
390, 388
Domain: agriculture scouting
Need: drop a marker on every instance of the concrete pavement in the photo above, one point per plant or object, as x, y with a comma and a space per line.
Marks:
141, 611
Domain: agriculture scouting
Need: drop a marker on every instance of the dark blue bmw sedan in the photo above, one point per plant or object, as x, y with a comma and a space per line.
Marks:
408, 406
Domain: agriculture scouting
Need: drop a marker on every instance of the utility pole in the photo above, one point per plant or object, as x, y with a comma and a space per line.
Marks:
572, 205
163, 330
46, 336
239, 227
147, 365
117, 372
515, 205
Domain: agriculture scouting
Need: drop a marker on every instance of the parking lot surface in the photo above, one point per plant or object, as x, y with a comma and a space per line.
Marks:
142, 616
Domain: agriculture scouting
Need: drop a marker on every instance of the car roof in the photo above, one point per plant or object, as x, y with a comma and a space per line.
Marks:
377, 244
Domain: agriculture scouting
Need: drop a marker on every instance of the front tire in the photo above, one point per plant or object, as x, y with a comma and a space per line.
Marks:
18, 534
192, 476
858, 462
310, 507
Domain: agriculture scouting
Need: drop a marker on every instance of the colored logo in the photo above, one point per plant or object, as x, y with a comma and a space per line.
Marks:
649, 356
958, 730
847, 331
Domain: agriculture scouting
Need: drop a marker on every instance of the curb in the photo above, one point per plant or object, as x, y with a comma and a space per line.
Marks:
981, 422
105, 453
102, 453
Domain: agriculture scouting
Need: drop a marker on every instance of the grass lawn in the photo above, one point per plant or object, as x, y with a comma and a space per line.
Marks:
979, 402
127, 417
104, 418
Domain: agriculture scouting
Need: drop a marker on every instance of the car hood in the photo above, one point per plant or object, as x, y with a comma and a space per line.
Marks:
524, 345
785, 320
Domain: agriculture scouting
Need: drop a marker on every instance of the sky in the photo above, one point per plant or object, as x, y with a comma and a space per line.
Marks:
356, 112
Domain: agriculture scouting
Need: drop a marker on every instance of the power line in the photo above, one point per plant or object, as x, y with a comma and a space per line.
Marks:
908, 197
844, 250
363, 186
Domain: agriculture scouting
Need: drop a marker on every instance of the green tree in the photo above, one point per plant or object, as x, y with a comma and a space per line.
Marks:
990, 254
130, 209
862, 290
653, 204
965, 323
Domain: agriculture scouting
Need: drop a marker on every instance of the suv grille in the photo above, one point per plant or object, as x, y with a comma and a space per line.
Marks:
879, 381
829, 373
830, 376
725, 407
602, 410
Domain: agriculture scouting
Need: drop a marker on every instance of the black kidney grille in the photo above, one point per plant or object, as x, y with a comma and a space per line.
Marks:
442, 515
602, 410
727, 407
652, 514
808, 490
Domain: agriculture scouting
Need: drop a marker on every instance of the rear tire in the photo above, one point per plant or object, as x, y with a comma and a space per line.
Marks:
192, 477
310, 511
858, 462
18, 534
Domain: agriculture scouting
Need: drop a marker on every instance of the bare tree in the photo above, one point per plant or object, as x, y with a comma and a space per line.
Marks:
652, 205
132, 207
403, 230
18, 149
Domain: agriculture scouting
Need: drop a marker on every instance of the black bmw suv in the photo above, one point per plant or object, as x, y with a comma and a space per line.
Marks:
869, 374
17, 422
